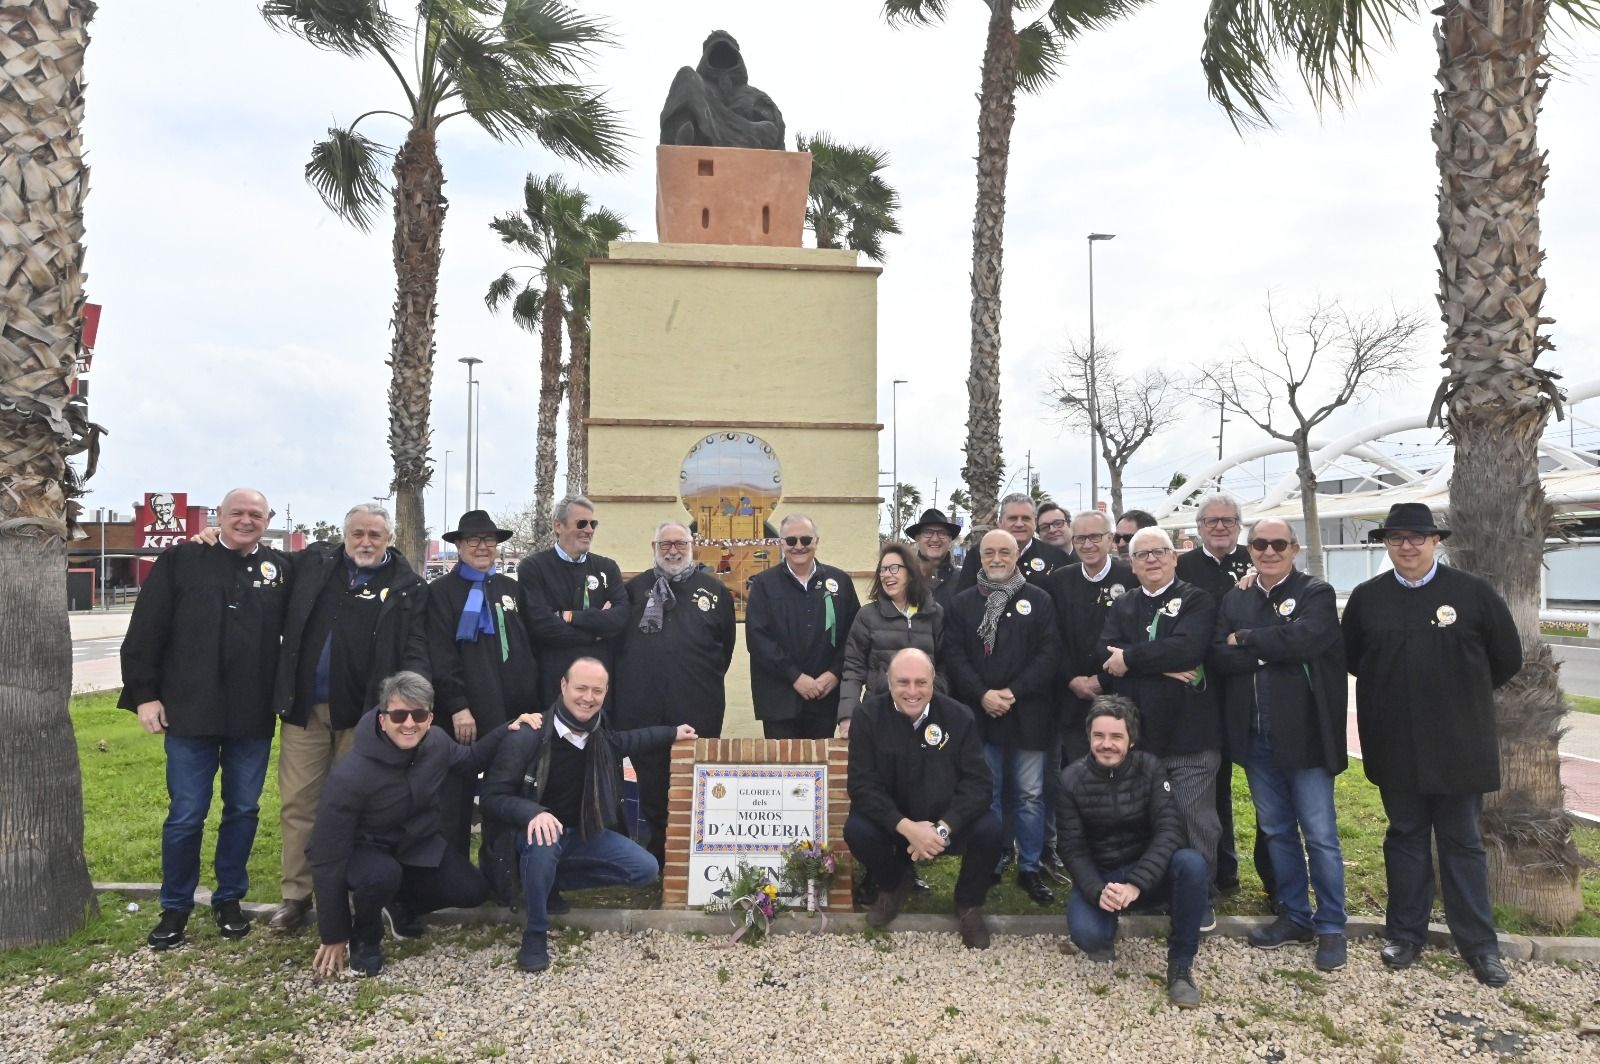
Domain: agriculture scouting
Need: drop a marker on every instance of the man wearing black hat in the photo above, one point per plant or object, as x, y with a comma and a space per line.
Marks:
934, 534
1428, 644
575, 602
484, 670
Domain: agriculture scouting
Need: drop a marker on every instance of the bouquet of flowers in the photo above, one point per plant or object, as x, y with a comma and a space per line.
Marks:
808, 869
751, 902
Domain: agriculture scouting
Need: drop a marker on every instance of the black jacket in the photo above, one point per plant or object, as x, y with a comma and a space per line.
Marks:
1426, 662
935, 771
1027, 652
1039, 559
676, 676
495, 684
1215, 578
1174, 717
785, 628
1108, 818
516, 780
1289, 667
381, 796
879, 633
942, 584
593, 590
1081, 607
397, 639
204, 639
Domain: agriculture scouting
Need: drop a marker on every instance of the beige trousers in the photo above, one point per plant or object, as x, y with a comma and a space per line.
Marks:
304, 757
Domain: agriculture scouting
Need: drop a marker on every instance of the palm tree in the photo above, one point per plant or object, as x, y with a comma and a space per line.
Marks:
849, 200
591, 241
505, 64
1026, 59
43, 874
1495, 400
547, 227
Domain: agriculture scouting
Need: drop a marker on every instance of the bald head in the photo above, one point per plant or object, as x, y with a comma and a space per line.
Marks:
242, 519
997, 553
911, 680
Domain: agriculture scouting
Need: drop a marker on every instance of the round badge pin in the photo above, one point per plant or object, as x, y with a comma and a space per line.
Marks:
704, 604
1117, 591
1037, 565
933, 735
593, 582
508, 603
1446, 615
832, 585
269, 571
1286, 607
1024, 607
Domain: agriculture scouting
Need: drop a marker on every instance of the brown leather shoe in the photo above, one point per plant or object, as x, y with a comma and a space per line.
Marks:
288, 917
883, 911
974, 928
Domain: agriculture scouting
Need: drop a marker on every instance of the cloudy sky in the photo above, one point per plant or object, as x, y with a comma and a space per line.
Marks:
245, 328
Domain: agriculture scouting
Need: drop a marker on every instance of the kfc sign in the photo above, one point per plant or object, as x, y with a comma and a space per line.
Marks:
162, 519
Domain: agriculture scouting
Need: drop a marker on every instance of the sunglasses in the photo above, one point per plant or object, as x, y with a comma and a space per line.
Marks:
797, 541
400, 716
1260, 545
1123, 537
587, 522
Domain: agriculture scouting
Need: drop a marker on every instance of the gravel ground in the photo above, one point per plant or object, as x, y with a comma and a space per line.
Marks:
901, 998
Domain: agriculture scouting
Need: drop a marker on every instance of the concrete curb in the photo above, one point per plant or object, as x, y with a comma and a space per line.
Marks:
628, 921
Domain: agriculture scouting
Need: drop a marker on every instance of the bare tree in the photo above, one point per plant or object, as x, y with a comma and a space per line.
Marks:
1329, 354
1127, 410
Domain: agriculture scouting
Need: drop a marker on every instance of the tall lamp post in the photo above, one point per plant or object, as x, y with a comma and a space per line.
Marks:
444, 494
1094, 458
894, 453
471, 500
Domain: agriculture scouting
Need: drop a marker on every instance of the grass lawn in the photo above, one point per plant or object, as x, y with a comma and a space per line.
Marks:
125, 803
1583, 703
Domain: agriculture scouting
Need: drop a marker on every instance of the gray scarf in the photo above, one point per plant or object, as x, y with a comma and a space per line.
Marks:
661, 599
999, 595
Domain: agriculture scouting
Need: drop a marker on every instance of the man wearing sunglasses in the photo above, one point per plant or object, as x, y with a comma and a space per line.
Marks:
1129, 523
1036, 559
377, 839
1428, 644
1280, 658
575, 602
797, 620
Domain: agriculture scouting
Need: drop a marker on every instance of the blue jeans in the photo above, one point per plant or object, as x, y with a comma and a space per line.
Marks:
1450, 821
1291, 803
1186, 884
1019, 776
192, 764
607, 860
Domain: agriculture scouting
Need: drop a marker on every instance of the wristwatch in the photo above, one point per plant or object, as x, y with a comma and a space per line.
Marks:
944, 832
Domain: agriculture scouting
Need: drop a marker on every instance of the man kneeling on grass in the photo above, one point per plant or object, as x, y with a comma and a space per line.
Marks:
377, 838
1121, 833
561, 785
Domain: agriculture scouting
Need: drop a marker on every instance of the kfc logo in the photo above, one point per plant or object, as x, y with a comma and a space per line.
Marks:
163, 519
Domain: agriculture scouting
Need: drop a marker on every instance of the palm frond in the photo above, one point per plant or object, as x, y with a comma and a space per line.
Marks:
351, 27
848, 198
1073, 18
527, 310
500, 290
344, 169
576, 124
1040, 56
914, 12
515, 231
549, 41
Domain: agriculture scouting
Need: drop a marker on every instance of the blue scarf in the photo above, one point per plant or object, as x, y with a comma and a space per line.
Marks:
476, 616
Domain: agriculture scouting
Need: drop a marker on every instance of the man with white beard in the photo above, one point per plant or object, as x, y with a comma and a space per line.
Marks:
671, 662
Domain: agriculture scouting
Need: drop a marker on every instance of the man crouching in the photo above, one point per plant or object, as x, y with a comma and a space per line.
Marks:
1121, 833
561, 785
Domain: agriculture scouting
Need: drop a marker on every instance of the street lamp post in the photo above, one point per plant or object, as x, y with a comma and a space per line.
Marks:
1094, 460
894, 452
470, 501
105, 603
444, 493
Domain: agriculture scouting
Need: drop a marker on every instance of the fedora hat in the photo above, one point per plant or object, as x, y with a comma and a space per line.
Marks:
476, 523
1408, 517
936, 519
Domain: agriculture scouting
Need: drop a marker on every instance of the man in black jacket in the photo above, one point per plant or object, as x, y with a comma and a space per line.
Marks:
1001, 652
561, 787
1121, 834
484, 669
1428, 644
574, 600
796, 621
197, 667
1036, 559
671, 662
357, 613
920, 788
1280, 660
935, 535
377, 841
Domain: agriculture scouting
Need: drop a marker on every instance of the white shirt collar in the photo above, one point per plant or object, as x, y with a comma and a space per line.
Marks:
804, 581
223, 540
1432, 569
1158, 592
1207, 551
1101, 575
564, 556
576, 738
918, 722
1265, 590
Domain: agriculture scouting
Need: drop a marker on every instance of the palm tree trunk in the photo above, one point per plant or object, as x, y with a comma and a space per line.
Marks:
44, 878
985, 462
419, 209
1308, 505
577, 404
1497, 404
544, 456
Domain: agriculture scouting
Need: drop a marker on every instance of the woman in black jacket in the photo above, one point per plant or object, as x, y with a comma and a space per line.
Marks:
900, 613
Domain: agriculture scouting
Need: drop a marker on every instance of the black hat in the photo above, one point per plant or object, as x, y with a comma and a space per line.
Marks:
1408, 517
476, 523
933, 517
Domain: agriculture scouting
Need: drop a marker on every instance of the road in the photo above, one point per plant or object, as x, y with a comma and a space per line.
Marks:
1580, 669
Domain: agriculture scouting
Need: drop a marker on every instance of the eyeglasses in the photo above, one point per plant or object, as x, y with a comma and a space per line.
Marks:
480, 541
1123, 537
1153, 552
1051, 526
797, 541
400, 716
891, 569
933, 533
1408, 539
1279, 545
1220, 522
586, 522
1093, 537
673, 544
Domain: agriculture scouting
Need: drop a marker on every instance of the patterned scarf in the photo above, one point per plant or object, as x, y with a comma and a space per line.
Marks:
999, 596
476, 616
661, 599
600, 798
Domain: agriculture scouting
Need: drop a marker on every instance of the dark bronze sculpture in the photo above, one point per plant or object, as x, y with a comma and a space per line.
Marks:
714, 105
